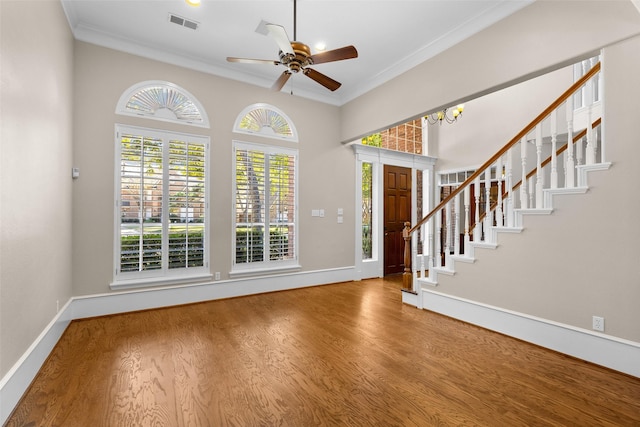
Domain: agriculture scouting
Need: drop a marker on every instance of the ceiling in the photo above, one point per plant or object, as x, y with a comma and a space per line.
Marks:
391, 36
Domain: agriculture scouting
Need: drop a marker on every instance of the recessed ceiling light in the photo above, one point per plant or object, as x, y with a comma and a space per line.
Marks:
320, 46
193, 3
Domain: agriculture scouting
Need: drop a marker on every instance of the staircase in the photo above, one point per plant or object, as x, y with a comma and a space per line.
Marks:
551, 156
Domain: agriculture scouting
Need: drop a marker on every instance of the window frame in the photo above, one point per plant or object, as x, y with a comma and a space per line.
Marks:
265, 266
164, 275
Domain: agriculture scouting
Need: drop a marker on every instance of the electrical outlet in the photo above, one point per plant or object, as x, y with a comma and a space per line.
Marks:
217, 275
598, 323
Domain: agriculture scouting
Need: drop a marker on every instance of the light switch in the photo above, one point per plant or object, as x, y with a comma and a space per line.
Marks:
321, 213
340, 211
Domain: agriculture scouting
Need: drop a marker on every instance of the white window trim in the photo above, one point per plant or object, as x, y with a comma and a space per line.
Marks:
278, 266
131, 280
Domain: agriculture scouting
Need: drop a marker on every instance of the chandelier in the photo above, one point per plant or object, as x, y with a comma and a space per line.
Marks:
443, 115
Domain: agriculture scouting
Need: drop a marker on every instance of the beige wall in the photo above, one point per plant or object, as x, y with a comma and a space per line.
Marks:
35, 173
326, 175
539, 38
492, 120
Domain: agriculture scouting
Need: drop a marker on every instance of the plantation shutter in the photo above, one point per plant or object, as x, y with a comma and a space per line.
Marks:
265, 205
140, 203
281, 206
186, 204
162, 203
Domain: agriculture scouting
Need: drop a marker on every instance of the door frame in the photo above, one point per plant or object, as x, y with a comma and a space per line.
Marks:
379, 157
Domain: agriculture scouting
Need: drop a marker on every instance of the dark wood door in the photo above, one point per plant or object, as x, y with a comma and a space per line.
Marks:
397, 210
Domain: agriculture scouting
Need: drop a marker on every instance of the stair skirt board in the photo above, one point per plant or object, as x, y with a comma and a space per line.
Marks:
604, 350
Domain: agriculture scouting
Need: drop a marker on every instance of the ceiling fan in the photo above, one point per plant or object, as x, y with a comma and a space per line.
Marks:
296, 57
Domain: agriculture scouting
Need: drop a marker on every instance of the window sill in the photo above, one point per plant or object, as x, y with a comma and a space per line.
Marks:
258, 271
158, 281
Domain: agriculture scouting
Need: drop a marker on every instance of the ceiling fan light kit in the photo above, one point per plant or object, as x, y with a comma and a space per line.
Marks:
296, 56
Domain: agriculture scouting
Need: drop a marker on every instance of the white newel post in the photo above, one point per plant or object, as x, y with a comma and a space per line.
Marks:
554, 148
467, 219
477, 231
524, 201
569, 170
539, 175
499, 177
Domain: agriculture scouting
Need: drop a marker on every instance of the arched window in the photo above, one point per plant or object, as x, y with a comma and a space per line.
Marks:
162, 101
161, 190
265, 186
265, 120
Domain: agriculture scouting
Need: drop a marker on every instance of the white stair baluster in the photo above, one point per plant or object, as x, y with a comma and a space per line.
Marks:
438, 251
432, 249
589, 95
524, 202
531, 195
554, 148
499, 177
425, 253
467, 219
456, 225
579, 151
448, 236
488, 217
509, 215
539, 175
477, 231
569, 170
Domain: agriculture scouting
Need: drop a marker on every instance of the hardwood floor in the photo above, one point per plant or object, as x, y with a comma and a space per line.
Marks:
349, 354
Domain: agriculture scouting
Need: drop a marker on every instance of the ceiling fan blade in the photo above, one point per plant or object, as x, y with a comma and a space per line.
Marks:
282, 80
325, 81
252, 61
347, 52
280, 36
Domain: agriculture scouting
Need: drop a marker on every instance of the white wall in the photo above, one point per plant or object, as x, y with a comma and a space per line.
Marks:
35, 173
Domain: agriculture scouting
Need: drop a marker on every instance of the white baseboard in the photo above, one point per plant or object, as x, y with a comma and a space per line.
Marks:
15, 383
17, 380
604, 350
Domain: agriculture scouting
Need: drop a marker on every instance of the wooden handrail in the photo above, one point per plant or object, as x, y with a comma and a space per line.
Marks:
524, 132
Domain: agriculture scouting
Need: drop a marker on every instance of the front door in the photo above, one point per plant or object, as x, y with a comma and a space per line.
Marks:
397, 210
